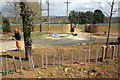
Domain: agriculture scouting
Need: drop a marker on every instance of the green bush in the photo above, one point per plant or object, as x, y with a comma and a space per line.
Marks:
6, 25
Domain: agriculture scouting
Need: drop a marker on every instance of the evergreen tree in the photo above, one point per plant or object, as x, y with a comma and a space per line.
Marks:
5, 25
98, 16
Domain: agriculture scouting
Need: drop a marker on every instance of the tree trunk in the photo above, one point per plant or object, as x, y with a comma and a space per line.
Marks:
27, 39
109, 28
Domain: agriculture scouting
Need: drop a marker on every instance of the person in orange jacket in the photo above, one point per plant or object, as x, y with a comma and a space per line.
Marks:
18, 38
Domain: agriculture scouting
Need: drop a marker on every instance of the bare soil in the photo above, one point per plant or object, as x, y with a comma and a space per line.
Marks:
106, 69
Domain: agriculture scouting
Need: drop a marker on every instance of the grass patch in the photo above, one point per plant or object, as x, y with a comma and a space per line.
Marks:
20, 73
111, 71
20, 78
9, 72
80, 26
117, 63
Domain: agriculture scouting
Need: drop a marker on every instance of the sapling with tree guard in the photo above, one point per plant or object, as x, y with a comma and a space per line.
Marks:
42, 60
85, 56
62, 55
6, 65
96, 55
21, 68
2, 66
14, 62
54, 59
46, 61
78, 54
58, 60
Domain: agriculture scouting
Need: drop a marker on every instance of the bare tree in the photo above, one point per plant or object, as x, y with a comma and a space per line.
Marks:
14, 9
110, 15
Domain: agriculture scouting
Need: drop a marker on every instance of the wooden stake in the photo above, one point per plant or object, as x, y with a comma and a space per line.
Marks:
20, 64
14, 62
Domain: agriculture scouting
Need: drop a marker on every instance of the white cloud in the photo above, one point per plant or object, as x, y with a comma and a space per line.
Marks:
58, 7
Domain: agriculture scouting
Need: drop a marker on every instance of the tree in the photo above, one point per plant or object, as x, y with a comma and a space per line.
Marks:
82, 19
98, 16
89, 17
6, 25
26, 15
74, 17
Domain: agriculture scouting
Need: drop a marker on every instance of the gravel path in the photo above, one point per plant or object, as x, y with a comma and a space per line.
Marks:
75, 40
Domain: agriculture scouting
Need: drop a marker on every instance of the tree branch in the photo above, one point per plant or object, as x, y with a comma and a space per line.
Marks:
103, 10
115, 11
109, 3
10, 4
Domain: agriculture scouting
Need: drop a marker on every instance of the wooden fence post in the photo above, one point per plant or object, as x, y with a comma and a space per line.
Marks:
14, 62
103, 52
116, 52
113, 50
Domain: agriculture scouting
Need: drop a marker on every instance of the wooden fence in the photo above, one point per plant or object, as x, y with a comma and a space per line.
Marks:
45, 28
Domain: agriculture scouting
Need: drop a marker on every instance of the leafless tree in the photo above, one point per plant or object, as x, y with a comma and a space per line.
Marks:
113, 10
14, 9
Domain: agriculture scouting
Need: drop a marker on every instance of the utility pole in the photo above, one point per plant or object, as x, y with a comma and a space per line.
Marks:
48, 3
40, 15
67, 4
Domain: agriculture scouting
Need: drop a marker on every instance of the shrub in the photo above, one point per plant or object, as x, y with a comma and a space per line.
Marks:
6, 25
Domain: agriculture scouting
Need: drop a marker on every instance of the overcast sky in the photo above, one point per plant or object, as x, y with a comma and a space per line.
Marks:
58, 7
